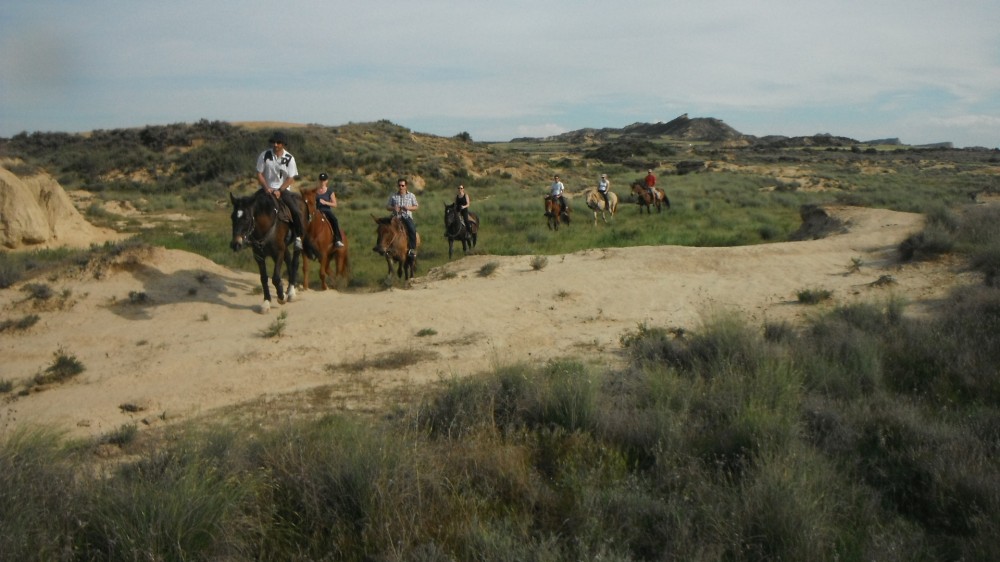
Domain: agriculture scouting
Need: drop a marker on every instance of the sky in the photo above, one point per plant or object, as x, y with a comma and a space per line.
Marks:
918, 70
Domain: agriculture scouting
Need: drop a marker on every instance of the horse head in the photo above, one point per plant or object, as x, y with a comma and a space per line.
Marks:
242, 219
551, 206
387, 231
453, 224
309, 198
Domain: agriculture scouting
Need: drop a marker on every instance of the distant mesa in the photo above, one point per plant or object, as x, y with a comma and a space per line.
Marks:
708, 129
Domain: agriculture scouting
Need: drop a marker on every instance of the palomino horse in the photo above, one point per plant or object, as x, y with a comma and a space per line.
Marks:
596, 203
644, 200
552, 215
255, 222
391, 242
320, 231
456, 229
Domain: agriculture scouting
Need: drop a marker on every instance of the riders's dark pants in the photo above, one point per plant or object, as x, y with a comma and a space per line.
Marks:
411, 232
607, 203
333, 222
465, 216
291, 203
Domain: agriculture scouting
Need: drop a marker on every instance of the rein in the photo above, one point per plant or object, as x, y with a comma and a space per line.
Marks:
251, 232
455, 227
396, 231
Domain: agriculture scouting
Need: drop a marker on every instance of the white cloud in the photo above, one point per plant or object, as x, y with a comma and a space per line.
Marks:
508, 67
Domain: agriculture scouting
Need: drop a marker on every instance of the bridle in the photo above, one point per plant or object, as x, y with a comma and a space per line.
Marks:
396, 231
250, 232
455, 226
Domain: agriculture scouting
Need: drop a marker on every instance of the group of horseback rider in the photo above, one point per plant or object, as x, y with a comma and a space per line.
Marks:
603, 189
276, 172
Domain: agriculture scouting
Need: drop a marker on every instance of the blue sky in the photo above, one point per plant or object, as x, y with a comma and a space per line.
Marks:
923, 71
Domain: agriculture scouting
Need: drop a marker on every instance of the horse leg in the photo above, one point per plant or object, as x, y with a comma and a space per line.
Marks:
292, 263
451, 243
262, 267
305, 274
276, 279
343, 263
324, 269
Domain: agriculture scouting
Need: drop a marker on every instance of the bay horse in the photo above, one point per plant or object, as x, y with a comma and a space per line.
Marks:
320, 231
255, 222
391, 242
553, 216
456, 229
645, 200
596, 203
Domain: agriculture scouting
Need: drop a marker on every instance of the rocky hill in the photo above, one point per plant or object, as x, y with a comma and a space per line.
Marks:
35, 212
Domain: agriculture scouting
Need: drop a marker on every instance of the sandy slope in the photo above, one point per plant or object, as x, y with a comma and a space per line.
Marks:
194, 346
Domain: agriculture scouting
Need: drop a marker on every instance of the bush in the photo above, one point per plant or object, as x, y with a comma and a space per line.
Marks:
931, 242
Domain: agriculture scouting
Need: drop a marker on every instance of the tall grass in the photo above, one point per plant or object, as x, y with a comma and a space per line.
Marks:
852, 437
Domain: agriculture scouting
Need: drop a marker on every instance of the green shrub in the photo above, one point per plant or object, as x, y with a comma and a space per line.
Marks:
929, 243
23, 323
813, 296
64, 367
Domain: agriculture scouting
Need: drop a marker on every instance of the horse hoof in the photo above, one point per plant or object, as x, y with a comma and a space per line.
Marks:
265, 307
291, 294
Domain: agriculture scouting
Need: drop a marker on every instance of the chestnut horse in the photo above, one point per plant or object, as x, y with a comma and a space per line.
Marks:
320, 231
391, 242
645, 200
255, 222
552, 215
596, 203
455, 228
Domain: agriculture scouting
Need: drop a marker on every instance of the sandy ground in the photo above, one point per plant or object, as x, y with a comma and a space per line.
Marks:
172, 336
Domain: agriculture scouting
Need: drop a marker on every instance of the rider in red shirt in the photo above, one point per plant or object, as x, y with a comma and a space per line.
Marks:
650, 184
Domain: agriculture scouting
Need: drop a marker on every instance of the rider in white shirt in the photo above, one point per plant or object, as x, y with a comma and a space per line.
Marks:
556, 192
602, 188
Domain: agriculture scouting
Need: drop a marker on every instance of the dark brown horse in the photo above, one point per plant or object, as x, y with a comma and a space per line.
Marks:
456, 229
553, 214
320, 231
644, 199
255, 222
391, 242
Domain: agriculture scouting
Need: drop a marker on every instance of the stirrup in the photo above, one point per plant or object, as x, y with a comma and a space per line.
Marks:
338, 244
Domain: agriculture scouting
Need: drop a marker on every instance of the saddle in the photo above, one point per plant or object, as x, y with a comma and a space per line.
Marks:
281, 209
284, 214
